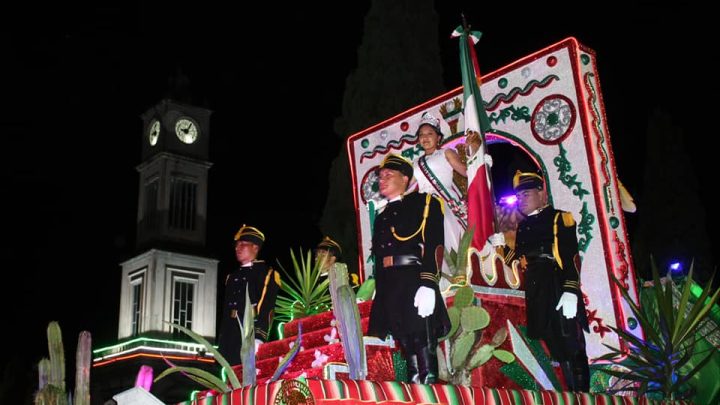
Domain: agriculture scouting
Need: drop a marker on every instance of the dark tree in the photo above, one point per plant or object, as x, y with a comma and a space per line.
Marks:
399, 66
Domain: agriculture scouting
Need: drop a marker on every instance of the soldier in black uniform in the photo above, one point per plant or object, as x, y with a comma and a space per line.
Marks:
330, 253
546, 245
262, 282
407, 245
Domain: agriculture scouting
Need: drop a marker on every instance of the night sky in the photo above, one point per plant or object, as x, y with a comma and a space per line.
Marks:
75, 79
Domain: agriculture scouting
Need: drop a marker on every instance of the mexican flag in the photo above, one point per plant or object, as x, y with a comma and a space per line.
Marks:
479, 200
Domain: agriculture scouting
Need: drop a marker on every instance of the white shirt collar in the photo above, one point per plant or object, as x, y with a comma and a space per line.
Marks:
537, 211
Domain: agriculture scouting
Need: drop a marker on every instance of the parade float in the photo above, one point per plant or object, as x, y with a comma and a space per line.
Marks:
548, 107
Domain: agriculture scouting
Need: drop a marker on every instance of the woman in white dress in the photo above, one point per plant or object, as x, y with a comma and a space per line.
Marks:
434, 174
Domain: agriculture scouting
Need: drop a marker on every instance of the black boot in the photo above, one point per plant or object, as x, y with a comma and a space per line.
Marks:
569, 374
581, 374
413, 375
408, 350
428, 365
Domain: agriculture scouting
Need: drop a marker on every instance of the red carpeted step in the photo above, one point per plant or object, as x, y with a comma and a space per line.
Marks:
320, 321
302, 361
315, 338
311, 373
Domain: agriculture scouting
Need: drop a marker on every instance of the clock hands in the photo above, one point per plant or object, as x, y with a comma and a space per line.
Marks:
186, 130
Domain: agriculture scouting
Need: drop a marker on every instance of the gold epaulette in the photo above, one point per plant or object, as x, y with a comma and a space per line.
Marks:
278, 280
568, 219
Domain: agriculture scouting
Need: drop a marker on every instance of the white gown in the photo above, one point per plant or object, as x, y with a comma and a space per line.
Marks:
441, 173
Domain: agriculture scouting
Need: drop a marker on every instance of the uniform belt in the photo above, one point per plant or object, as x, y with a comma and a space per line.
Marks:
401, 260
540, 258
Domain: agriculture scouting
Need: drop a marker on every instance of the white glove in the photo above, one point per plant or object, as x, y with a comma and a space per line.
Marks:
425, 301
488, 160
258, 342
568, 303
497, 239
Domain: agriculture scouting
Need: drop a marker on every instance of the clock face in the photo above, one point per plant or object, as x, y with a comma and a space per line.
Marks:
153, 132
186, 130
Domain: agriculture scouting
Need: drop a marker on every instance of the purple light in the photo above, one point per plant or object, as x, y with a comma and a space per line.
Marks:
676, 267
508, 200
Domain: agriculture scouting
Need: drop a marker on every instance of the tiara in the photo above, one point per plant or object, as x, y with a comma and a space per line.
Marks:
428, 118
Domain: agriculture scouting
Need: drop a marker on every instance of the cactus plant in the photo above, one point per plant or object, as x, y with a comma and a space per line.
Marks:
464, 341
51, 387
82, 369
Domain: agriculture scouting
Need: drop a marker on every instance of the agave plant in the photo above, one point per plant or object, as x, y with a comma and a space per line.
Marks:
200, 376
306, 293
655, 365
247, 356
457, 261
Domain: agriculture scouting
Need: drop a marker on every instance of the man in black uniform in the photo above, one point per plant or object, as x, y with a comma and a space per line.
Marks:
262, 283
329, 252
546, 245
407, 245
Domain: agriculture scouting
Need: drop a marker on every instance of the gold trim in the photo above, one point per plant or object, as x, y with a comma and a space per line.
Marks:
329, 243
249, 230
555, 247
518, 174
426, 212
262, 296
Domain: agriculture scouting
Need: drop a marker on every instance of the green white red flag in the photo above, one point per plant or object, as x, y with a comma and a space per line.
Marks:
480, 204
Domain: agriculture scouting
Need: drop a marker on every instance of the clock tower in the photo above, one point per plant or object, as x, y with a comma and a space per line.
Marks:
171, 280
172, 208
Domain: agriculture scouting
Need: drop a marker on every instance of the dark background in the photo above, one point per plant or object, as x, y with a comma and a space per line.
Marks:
76, 77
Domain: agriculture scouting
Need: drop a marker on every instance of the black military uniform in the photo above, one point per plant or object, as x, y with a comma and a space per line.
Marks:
547, 245
333, 249
406, 236
262, 283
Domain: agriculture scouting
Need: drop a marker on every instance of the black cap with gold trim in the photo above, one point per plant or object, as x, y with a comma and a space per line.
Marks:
250, 234
396, 162
527, 180
331, 246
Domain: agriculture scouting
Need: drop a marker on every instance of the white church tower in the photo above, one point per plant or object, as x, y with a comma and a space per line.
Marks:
169, 281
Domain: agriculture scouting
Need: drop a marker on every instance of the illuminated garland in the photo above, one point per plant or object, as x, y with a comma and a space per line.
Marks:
597, 119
